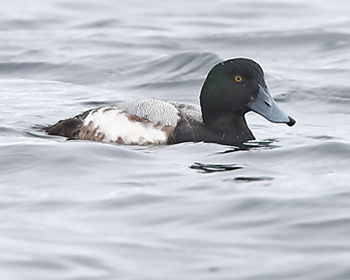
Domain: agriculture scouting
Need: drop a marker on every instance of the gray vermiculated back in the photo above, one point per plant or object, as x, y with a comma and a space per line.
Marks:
161, 112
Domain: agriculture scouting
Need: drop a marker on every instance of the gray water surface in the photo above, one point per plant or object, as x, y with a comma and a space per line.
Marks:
277, 209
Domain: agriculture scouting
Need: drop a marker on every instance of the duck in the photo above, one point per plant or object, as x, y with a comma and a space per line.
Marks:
231, 89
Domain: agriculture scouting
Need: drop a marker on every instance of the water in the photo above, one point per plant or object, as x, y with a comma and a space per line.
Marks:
278, 209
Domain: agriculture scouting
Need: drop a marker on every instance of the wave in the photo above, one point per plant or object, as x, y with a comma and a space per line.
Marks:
177, 66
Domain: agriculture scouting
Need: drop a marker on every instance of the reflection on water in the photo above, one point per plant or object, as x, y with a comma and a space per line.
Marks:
252, 179
250, 145
211, 168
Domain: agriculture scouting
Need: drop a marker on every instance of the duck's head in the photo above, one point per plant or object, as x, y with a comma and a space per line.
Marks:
235, 87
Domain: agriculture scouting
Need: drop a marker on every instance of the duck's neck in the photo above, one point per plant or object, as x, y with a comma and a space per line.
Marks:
232, 127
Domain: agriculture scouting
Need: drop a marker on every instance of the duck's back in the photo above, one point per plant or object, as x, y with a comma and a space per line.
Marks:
161, 112
133, 122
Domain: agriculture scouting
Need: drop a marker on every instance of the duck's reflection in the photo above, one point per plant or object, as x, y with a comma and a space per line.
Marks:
250, 145
210, 168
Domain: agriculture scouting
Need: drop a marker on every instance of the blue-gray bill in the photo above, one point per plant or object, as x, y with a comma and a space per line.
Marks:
267, 107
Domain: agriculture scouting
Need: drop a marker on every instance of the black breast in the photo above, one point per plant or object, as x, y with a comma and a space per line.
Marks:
194, 131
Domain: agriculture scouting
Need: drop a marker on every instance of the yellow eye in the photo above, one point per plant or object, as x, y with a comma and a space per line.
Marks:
238, 79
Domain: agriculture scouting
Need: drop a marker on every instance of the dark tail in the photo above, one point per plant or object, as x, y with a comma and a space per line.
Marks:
68, 128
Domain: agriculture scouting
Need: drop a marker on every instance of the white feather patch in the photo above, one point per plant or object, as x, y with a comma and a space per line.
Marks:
117, 126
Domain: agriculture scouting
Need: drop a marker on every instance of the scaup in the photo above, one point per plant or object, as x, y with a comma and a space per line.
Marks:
231, 89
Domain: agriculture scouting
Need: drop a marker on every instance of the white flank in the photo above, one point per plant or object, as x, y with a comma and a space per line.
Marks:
115, 125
